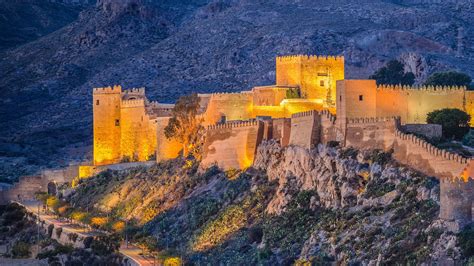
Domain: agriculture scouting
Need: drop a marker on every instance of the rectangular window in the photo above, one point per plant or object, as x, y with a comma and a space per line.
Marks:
97, 102
340, 98
321, 83
117, 122
361, 97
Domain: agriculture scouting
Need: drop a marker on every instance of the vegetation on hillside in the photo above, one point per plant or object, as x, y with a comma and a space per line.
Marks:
450, 78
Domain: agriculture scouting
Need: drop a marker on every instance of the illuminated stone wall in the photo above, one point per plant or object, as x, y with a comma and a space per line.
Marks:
166, 148
315, 75
413, 104
269, 95
106, 120
232, 145
355, 99
234, 106
305, 129
370, 133
138, 132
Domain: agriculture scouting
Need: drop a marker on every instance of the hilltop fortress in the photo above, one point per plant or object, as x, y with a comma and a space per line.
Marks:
310, 104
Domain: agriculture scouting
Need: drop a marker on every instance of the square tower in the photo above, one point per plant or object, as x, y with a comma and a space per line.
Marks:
355, 99
316, 76
106, 119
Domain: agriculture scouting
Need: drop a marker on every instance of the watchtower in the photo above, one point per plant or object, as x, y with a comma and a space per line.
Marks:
107, 133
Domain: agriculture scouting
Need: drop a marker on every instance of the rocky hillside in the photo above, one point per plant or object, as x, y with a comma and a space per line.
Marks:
178, 47
325, 205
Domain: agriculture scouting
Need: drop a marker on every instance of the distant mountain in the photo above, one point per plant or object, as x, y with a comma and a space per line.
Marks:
178, 47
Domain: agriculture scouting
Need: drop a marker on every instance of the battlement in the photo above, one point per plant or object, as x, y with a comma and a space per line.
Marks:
433, 89
431, 148
304, 114
140, 91
369, 120
234, 124
116, 89
133, 103
301, 57
326, 113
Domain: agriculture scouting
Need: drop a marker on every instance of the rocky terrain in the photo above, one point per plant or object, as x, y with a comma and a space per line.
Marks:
294, 206
55, 55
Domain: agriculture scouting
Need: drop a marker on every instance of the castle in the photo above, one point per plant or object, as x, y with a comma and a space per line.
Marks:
311, 103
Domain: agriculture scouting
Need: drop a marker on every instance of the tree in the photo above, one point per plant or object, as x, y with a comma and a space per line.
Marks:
393, 73
455, 122
184, 124
450, 78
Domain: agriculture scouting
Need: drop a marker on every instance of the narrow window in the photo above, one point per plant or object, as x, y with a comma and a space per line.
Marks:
97, 102
361, 97
117, 122
340, 98
321, 83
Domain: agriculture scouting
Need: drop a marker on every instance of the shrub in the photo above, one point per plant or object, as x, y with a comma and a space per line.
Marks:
255, 234
393, 73
50, 230
59, 230
455, 122
381, 157
21, 250
333, 144
88, 241
72, 237
449, 78
466, 240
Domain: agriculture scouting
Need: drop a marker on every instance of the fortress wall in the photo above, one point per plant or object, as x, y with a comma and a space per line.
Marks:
329, 130
431, 131
64, 175
166, 149
305, 129
273, 111
137, 131
269, 96
370, 133
288, 70
281, 130
234, 106
355, 99
421, 155
457, 197
232, 145
413, 104
25, 188
470, 105
106, 123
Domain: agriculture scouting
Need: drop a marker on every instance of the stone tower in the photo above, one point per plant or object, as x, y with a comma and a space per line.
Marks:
316, 76
107, 120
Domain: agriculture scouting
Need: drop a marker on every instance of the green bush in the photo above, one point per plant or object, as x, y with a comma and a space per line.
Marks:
50, 230
393, 73
466, 240
21, 250
455, 122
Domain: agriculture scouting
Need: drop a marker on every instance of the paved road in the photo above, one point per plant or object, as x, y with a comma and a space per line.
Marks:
131, 252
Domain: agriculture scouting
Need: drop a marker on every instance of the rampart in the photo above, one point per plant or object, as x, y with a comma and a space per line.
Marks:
166, 148
370, 133
413, 104
305, 129
234, 106
232, 145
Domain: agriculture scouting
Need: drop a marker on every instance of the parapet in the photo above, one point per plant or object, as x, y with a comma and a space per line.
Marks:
139, 91
431, 148
133, 103
301, 57
116, 89
234, 124
304, 114
370, 120
433, 89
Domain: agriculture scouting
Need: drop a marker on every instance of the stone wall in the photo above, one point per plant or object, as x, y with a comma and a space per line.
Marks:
305, 129
281, 130
166, 148
413, 104
234, 106
24, 189
457, 197
370, 133
232, 145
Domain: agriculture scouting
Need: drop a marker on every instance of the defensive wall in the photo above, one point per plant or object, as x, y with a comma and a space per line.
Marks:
413, 104
232, 145
166, 148
370, 133
431, 131
305, 129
